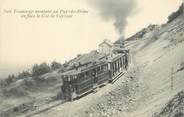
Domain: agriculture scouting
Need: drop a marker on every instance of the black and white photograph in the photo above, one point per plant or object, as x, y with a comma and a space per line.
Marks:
91, 58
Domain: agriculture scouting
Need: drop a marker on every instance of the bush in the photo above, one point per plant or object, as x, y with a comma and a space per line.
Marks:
55, 65
24, 74
40, 69
176, 14
10, 79
65, 65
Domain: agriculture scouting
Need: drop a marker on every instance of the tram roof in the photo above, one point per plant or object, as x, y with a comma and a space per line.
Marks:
79, 70
105, 60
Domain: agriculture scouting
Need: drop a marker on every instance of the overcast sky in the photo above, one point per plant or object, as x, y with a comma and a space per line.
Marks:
25, 42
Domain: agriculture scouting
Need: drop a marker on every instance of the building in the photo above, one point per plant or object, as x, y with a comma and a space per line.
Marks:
105, 47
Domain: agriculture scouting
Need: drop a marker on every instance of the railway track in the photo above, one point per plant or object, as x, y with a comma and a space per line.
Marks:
117, 77
44, 109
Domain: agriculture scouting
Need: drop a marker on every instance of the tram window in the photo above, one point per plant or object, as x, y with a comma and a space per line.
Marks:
81, 75
104, 68
121, 62
65, 78
98, 70
93, 73
90, 72
75, 77
87, 74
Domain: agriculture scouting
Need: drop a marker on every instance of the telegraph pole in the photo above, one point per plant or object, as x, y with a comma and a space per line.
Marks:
172, 73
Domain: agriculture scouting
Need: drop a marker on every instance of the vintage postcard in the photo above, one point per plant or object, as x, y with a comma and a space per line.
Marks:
91, 58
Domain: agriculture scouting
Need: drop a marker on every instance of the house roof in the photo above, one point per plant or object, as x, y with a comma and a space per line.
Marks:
106, 41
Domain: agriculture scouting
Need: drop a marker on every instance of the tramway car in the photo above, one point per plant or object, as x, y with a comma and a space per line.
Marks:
84, 79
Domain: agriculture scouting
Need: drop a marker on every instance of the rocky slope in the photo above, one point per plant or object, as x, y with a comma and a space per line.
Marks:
174, 108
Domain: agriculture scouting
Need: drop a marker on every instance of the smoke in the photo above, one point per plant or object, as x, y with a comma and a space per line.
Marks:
116, 10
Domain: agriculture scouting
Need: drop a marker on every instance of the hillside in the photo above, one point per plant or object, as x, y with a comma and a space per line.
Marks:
29, 94
174, 108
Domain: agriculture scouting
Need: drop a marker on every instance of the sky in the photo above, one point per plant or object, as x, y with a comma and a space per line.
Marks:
24, 42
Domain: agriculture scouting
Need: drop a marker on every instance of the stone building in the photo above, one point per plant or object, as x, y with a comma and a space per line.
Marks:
105, 47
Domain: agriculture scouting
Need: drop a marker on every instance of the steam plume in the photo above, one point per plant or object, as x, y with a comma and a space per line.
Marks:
116, 10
